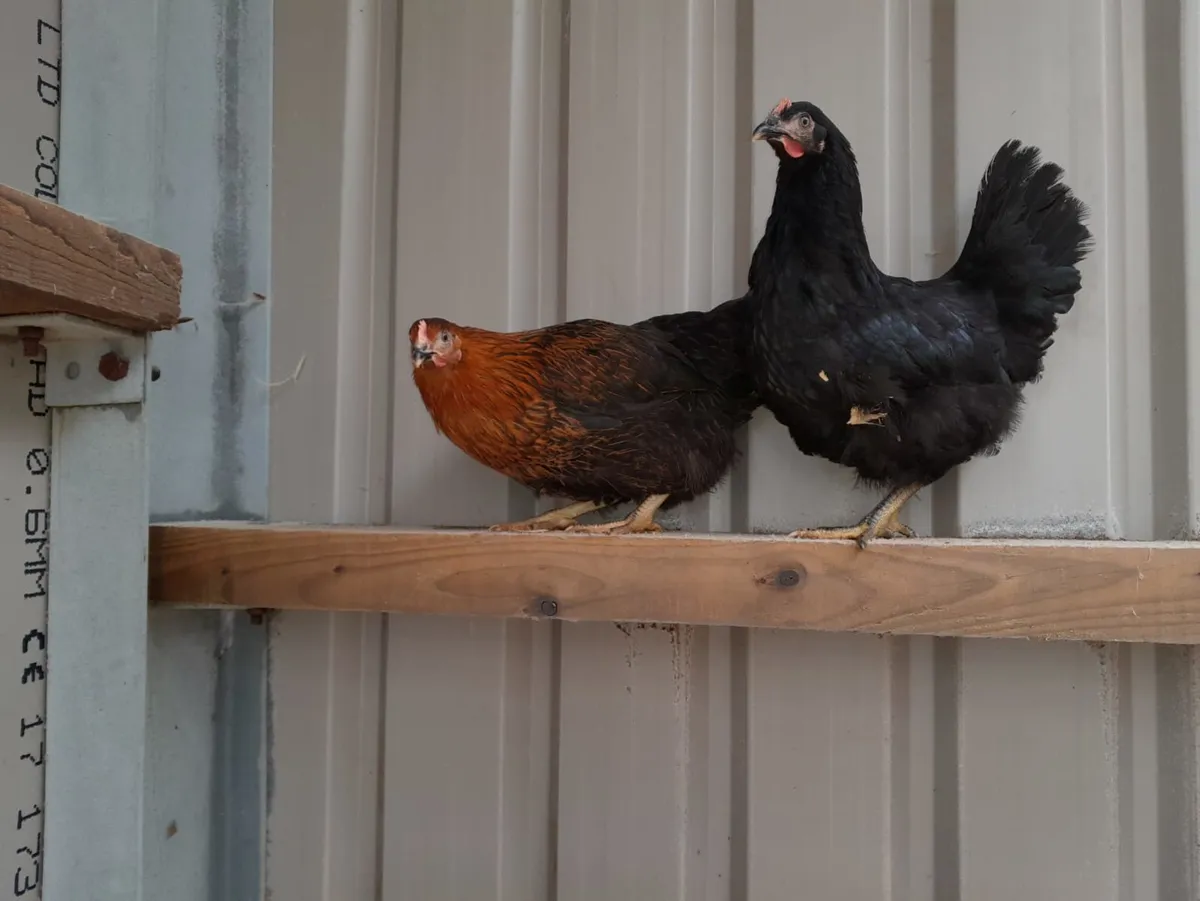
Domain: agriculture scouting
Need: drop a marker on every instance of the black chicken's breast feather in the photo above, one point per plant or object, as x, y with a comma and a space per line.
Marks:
666, 424
943, 360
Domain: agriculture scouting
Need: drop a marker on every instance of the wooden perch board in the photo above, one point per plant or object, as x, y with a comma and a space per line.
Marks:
56, 261
1122, 591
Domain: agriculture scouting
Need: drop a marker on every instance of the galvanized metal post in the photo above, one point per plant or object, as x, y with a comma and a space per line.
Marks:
96, 684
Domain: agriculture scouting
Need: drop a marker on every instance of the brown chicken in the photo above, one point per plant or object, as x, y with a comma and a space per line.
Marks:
593, 411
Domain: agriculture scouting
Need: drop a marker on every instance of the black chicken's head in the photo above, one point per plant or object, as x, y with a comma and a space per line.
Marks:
434, 342
795, 130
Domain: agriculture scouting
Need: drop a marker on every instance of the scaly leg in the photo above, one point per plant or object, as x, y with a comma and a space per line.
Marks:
640, 520
552, 520
882, 522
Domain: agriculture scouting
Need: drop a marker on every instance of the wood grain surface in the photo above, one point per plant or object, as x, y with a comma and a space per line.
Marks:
1121, 591
55, 261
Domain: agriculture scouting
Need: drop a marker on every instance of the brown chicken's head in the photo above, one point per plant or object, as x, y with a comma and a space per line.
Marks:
434, 343
795, 130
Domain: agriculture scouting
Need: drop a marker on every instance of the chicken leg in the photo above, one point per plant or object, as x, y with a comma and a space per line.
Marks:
882, 522
556, 520
640, 520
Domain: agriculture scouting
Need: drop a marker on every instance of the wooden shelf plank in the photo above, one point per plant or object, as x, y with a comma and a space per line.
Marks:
1100, 591
53, 261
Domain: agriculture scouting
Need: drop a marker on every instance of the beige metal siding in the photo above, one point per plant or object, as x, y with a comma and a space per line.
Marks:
515, 163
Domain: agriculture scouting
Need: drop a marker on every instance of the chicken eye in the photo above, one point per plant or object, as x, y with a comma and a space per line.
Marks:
445, 338
805, 120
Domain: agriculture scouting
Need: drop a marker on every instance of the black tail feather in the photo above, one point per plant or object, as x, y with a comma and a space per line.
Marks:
1026, 240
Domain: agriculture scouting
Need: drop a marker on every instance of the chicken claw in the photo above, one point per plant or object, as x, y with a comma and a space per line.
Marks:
557, 520
882, 522
640, 520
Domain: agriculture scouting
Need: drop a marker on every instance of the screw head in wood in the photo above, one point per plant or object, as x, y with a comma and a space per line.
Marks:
113, 366
72, 370
787, 578
548, 606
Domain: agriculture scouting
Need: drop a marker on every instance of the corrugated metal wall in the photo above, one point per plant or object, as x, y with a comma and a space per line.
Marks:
166, 134
515, 163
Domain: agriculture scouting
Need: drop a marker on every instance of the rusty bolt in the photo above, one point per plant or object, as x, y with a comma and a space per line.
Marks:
31, 339
113, 366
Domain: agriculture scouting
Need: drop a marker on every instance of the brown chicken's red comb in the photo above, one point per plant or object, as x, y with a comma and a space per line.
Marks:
780, 107
422, 333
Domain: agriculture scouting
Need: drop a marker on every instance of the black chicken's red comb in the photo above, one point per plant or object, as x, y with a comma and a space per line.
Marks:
780, 107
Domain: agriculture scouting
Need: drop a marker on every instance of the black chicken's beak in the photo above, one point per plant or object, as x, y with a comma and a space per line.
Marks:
769, 127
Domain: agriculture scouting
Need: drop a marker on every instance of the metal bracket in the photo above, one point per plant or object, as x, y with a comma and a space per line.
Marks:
96, 372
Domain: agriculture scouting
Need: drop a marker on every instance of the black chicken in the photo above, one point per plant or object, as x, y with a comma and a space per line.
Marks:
903, 380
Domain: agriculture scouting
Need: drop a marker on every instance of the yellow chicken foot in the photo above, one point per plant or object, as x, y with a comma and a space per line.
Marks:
882, 522
640, 520
556, 520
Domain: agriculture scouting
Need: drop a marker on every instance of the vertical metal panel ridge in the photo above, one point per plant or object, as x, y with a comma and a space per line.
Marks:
332, 230
1152, 469
708, 244
945, 763
1053, 477
1055, 705
912, 827
824, 700
469, 778
787, 490
167, 138
857, 710
1090, 458
240, 260
468, 774
644, 772
212, 197
711, 829
309, 74
364, 325
936, 42
907, 64
531, 169
645, 762
1144, 763
1109, 234
452, 243
1190, 65
528, 778
1164, 781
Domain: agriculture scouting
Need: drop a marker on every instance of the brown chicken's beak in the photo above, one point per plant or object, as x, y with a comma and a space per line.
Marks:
419, 356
